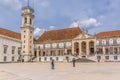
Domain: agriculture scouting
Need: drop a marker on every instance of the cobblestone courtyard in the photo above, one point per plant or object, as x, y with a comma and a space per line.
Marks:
63, 71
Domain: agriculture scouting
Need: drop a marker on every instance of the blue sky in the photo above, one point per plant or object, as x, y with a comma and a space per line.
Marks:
93, 15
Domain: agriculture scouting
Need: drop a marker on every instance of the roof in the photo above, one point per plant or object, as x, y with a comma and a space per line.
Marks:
109, 34
62, 34
9, 33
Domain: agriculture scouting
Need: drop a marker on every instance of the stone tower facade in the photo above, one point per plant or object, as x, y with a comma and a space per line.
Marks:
27, 33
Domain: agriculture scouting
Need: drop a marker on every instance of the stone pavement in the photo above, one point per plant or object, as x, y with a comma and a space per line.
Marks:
63, 71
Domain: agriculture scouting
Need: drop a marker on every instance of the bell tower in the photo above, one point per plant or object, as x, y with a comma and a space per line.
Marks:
27, 33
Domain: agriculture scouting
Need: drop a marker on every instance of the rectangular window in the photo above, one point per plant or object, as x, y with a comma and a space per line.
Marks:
5, 49
115, 50
39, 53
24, 41
13, 59
23, 46
107, 57
5, 58
45, 58
19, 50
106, 51
115, 57
13, 50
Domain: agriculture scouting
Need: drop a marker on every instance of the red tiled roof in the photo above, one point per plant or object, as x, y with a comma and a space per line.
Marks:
109, 34
10, 33
63, 34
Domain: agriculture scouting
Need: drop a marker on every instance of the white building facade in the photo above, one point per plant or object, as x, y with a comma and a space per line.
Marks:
9, 49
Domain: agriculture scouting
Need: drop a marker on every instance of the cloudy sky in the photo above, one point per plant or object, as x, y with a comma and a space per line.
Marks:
92, 15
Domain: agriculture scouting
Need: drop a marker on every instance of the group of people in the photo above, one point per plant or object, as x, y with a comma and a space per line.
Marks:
53, 63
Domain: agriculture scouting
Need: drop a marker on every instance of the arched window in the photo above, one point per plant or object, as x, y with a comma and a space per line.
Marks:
118, 41
111, 41
30, 21
25, 20
97, 42
103, 42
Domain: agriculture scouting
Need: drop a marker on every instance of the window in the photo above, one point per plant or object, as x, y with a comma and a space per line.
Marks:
23, 46
57, 58
24, 41
68, 44
115, 57
5, 58
47, 45
115, 50
100, 51
41, 46
106, 51
54, 45
111, 42
30, 21
50, 58
103, 42
97, 42
13, 50
13, 58
45, 58
19, 50
111, 50
107, 57
25, 20
5, 49
61, 45
118, 41
39, 53
38, 47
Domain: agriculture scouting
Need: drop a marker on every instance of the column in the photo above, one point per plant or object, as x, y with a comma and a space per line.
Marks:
80, 48
72, 48
103, 48
37, 56
65, 52
56, 52
87, 45
95, 47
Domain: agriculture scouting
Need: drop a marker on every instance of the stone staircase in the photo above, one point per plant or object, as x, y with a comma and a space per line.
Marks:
84, 60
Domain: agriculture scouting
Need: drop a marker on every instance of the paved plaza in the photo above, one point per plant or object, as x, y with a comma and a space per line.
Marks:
63, 71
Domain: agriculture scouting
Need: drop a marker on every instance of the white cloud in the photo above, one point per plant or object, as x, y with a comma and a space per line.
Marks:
86, 24
38, 32
51, 27
10, 4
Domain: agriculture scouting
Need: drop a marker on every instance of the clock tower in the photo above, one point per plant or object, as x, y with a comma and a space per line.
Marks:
27, 33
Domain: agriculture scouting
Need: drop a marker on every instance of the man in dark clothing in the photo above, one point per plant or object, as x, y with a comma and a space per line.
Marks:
73, 62
52, 64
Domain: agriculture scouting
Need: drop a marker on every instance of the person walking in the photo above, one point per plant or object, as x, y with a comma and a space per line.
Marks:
73, 62
52, 64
